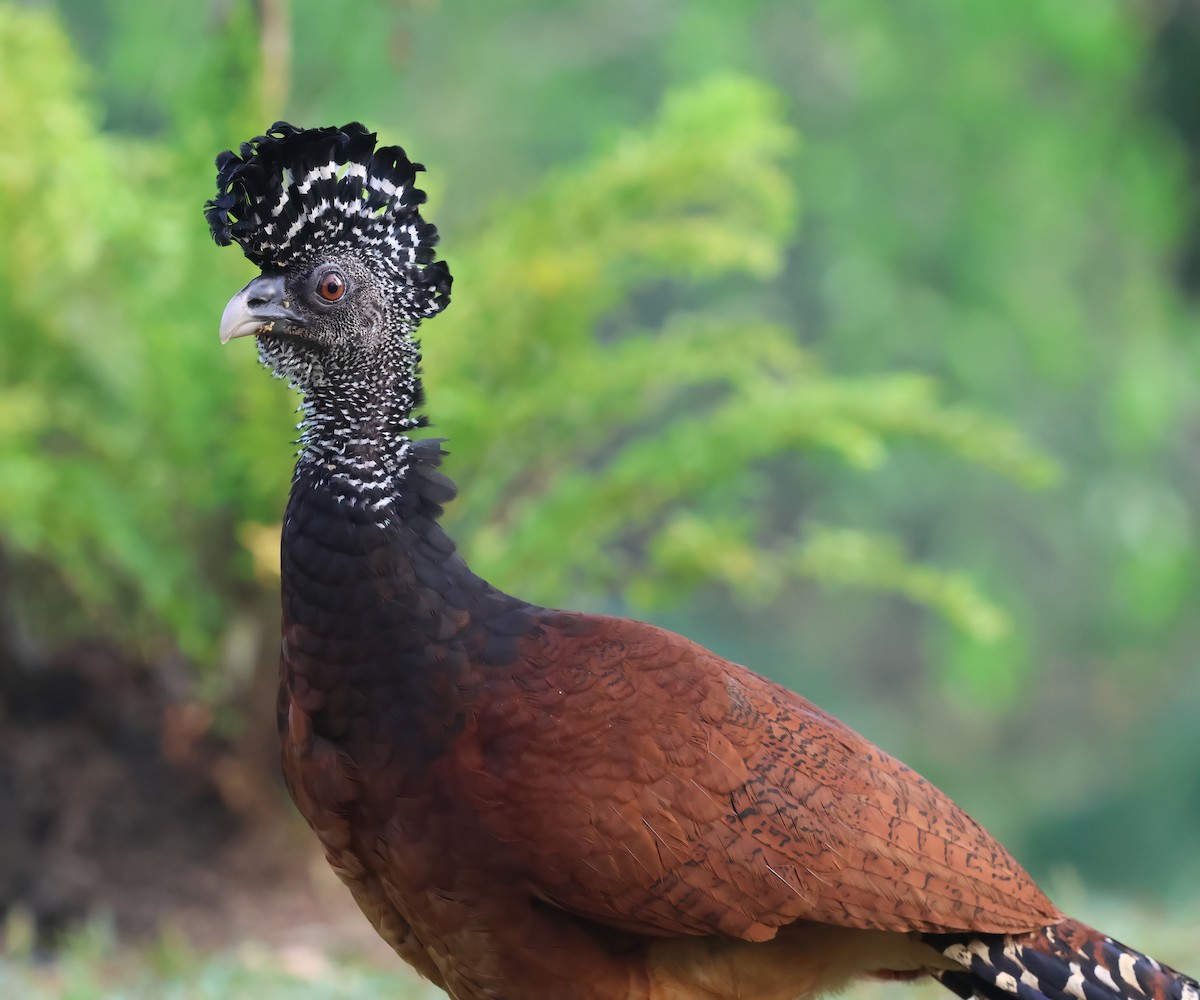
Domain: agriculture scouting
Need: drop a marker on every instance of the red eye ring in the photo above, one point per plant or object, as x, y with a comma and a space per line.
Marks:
331, 286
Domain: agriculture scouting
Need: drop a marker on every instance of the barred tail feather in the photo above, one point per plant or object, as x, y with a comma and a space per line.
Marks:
1069, 961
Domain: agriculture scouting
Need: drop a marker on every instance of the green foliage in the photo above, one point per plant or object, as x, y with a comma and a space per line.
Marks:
998, 210
691, 548
580, 431
164, 447
130, 444
657, 372
92, 966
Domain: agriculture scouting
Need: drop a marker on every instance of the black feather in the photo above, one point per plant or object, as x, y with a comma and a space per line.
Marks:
290, 191
1067, 961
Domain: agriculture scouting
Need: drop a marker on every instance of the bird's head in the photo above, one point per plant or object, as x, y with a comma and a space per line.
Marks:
347, 261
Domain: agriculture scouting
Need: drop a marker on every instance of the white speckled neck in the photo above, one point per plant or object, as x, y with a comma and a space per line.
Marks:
354, 430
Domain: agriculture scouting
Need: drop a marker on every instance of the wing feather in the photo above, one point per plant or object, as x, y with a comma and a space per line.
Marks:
647, 783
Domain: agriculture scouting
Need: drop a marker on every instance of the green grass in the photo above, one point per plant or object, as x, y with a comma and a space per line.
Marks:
92, 966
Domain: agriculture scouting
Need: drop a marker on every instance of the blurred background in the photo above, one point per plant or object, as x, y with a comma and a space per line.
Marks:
856, 340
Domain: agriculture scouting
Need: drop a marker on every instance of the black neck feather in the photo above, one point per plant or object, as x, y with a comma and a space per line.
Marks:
377, 604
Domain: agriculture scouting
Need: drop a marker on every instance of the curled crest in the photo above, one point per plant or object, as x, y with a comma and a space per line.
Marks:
293, 192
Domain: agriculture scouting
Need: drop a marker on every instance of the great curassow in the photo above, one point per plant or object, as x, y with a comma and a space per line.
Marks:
533, 804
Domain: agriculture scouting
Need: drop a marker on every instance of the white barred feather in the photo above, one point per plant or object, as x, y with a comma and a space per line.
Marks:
1068, 961
292, 190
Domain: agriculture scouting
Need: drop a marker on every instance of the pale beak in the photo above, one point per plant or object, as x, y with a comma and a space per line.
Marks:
257, 308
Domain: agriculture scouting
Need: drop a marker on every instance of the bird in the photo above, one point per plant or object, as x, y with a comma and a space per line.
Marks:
537, 804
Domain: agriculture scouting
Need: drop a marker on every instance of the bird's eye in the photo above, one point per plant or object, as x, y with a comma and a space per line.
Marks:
331, 286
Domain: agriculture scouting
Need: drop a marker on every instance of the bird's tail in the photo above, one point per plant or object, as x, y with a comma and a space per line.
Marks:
1068, 961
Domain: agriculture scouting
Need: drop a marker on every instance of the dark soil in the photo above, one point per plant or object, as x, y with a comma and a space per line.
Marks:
117, 799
